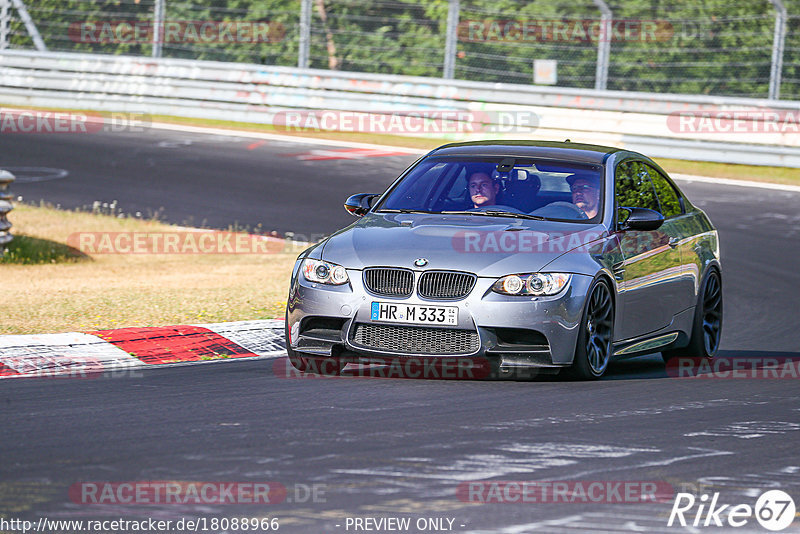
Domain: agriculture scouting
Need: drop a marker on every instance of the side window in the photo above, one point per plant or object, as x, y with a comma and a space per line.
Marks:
415, 191
633, 188
458, 190
667, 196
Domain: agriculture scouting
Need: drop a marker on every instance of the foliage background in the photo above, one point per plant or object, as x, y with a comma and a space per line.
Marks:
716, 47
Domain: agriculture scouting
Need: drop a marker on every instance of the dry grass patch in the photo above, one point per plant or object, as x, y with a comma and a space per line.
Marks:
117, 290
755, 173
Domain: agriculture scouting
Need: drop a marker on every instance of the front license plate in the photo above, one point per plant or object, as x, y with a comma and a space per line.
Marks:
413, 313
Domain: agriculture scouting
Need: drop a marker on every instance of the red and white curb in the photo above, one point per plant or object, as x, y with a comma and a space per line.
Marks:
85, 354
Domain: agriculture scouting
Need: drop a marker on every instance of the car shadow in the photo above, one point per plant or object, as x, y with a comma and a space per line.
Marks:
728, 364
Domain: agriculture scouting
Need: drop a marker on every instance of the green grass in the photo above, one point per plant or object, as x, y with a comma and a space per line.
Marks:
28, 250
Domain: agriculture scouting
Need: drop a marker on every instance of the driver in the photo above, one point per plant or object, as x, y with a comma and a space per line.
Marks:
483, 190
585, 193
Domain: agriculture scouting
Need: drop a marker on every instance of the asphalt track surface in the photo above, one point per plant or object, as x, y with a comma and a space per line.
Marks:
395, 447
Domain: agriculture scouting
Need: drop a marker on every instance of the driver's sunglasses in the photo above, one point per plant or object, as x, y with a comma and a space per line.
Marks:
583, 187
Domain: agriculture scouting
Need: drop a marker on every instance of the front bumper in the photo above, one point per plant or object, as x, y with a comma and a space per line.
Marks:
516, 331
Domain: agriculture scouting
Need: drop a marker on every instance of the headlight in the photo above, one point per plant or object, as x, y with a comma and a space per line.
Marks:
532, 284
323, 272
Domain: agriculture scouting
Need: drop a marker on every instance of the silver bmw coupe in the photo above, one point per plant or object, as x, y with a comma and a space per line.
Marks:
524, 256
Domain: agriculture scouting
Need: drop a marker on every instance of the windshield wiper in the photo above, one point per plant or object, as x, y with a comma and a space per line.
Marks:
496, 213
390, 210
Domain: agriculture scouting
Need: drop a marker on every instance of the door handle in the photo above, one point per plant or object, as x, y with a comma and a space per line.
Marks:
673, 242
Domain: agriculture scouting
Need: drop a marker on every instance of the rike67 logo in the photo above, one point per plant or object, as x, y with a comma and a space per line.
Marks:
774, 510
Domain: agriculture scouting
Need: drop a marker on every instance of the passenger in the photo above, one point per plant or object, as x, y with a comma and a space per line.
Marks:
585, 193
483, 190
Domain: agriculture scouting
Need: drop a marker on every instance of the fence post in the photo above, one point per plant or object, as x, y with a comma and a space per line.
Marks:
451, 39
158, 28
603, 46
304, 46
776, 66
29, 25
5, 23
5, 206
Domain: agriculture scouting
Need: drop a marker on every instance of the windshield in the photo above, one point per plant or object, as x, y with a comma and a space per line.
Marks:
500, 187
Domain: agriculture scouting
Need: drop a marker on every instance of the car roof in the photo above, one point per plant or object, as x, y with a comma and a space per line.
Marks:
565, 151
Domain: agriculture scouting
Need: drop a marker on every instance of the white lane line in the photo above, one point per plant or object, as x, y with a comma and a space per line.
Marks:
25, 175
416, 151
574, 450
283, 138
748, 429
704, 453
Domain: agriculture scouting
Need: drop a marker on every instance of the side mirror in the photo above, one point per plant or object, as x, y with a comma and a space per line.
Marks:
642, 219
358, 205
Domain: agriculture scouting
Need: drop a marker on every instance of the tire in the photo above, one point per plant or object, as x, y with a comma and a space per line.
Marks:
596, 334
707, 323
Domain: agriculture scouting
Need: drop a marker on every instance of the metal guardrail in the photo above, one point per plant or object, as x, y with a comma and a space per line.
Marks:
642, 46
257, 93
5, 206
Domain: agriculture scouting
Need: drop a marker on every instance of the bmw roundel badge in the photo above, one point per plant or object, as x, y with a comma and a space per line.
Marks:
421, 262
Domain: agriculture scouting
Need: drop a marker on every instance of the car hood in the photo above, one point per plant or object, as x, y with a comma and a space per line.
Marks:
487, 246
